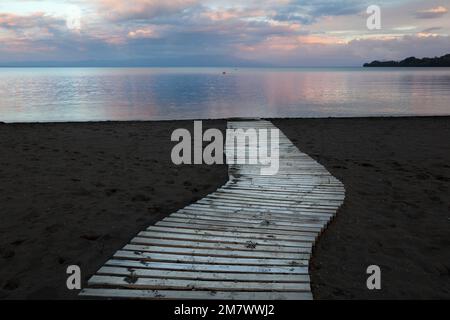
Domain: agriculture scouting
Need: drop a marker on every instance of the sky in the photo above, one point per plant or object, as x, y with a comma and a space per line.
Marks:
219, 33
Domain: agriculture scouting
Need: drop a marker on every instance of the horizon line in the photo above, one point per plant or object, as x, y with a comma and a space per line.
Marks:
172, 66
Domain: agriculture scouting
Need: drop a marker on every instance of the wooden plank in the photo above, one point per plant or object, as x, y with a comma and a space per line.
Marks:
229, 210
302, 236
326, 205
181, 284
216, 252
263, 225
251, 192
259, 219
277, 190
210, 238
219, 245
306, 202
197, 295
276, 199
230, 207
245, 213
192, 224
221, 276
206, 267
160, 257
294, 209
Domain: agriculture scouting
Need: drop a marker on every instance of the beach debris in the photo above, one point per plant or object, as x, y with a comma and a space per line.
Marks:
157, 294
250, 244
191, 286
131, 278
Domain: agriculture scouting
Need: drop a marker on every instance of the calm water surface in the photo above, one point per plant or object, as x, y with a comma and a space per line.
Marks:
86, 94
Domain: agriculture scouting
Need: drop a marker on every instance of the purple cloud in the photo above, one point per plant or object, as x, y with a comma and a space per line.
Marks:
432, 13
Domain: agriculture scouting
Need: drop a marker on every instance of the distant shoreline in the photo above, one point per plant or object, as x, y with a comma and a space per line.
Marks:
412, 62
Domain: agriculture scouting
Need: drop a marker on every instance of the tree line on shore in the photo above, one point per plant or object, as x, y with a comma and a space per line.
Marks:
443, 61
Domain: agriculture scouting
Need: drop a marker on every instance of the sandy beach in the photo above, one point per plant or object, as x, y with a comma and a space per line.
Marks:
396, 213
74, 193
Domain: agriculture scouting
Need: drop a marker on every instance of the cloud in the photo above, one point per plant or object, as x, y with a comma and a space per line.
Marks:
274, 32
221, 14
316, 50
35, 20
431, 13
432, 29
40, 36
33, 27
399, 48
308, 11
146, 32
119, 10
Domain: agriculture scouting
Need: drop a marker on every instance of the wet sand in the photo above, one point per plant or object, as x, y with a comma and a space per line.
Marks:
75, 193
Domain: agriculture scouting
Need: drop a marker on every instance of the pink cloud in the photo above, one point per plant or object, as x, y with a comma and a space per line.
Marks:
142, 9
143, 33
38, 19
289, 43
432, 13
36, 26
301, 50
218, 15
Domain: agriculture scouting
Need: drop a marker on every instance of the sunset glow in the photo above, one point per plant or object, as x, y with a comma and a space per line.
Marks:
216, 32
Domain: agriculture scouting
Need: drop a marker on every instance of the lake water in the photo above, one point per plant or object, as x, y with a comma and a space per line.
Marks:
86, 94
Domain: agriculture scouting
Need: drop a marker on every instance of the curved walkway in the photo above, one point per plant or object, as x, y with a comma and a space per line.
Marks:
251, 239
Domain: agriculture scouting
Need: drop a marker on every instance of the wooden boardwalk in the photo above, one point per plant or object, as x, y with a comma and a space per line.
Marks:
251, 239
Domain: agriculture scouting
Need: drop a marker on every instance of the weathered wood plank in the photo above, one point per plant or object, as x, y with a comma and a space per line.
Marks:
254, 218
300, 236
190, 224
199, 295
216, 252
210, 238
206, 267
221, 276
189, 258
181, 284
249, 246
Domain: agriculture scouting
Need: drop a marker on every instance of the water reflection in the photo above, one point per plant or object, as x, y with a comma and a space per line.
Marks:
85, 94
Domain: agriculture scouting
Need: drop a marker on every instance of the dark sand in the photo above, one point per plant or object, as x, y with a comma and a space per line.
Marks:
76, 193
397, 208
